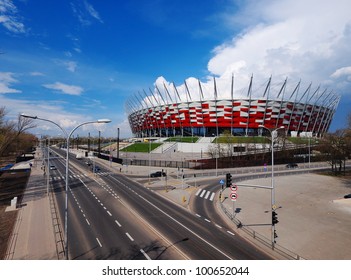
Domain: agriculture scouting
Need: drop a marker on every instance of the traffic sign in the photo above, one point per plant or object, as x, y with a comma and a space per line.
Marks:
233, 187
233, 196
221, 182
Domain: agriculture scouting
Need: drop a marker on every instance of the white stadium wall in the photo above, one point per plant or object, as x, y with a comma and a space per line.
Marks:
306, 114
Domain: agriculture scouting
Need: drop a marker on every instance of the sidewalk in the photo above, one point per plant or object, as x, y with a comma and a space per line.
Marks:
33, 235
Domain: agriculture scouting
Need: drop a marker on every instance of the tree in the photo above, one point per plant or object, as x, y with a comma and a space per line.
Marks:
11, 132
335, 147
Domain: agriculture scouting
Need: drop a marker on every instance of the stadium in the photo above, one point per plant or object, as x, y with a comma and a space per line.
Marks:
198, 109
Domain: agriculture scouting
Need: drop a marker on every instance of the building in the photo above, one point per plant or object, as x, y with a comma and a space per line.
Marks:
302, 111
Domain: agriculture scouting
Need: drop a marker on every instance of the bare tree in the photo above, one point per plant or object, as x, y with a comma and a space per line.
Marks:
334, 146
10, 131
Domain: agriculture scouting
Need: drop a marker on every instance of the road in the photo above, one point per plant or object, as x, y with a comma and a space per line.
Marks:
114, 217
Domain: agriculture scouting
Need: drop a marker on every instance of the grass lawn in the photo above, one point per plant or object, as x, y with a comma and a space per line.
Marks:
141, 147
302, 140
241, 139
187, 139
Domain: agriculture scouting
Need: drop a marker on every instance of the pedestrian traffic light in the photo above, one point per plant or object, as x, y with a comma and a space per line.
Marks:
228, 180
274, 218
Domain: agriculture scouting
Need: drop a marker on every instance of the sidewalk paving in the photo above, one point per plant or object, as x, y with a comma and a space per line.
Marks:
33, 235
314, 218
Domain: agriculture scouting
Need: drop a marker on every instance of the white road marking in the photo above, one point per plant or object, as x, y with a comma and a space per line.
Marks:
87, 222
97, 239
212, 196
108, 212
207, 220
198, 215
198, 191
145, 255
188, 229
203, 192
230, 232
131, 238
207, 194
118, 223
218, 226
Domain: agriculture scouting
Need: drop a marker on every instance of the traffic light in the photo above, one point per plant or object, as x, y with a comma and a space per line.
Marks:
228, 180
274, 218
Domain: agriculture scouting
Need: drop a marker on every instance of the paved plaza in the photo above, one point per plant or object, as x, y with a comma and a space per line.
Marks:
314, 218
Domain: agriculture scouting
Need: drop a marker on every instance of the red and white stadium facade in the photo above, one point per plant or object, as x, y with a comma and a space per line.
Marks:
305, 112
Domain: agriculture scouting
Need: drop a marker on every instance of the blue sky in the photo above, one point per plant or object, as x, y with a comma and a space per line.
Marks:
80, 60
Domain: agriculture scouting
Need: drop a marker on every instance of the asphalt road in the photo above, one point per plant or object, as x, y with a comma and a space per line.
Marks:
100, 225
113, 217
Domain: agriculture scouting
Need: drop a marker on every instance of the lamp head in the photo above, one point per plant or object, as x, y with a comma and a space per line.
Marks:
28, 116
103, 121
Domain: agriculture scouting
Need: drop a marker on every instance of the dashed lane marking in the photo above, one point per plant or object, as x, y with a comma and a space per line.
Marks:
131, 238
145, 255
97, 239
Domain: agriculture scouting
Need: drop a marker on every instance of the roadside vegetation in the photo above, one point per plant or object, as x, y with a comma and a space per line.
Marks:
185, 139
13, 137
141, 147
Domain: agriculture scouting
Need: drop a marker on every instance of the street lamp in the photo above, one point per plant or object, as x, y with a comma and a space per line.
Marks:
67, 164
273, 206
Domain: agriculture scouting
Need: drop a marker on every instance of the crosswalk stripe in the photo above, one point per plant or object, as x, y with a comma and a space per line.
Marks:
203, 192
212, 196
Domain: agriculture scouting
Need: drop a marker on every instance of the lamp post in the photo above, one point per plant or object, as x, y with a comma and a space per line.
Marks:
67, 165
273, 207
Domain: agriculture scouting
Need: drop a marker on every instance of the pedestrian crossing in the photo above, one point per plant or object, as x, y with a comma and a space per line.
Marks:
205, 194
77, 176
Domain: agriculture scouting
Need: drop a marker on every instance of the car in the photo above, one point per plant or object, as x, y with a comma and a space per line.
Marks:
52, 167
347, 195
96, 169
158, 174
292, 165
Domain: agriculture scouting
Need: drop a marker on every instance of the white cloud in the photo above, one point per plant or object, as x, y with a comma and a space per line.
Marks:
71, 65
298, 39
36, 74
84, 11
9, 18
64, 88
45, 109
92, 12
344, 71
6, 79
295, 38
68, 64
